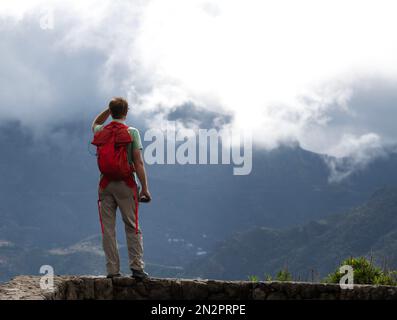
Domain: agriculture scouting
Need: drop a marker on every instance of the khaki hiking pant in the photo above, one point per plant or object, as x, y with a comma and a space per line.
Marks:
118, 195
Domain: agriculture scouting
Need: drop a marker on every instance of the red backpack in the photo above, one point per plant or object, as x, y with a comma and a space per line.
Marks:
112, 142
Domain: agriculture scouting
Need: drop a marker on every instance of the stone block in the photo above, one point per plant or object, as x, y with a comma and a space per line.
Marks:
103, 289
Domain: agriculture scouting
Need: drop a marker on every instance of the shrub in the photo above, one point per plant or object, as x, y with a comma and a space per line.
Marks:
364, 273
284, 275
253, 278
268, 277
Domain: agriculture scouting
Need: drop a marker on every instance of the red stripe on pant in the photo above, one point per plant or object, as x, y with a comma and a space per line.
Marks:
136, 207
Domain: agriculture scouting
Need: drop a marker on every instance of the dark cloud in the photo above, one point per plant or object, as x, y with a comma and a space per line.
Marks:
44, 84
361, 131
192, 115
373, 108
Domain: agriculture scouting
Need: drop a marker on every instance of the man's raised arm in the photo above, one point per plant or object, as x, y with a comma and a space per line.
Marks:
101, 118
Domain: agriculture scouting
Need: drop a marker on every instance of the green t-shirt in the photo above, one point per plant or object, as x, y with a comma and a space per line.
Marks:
136, 140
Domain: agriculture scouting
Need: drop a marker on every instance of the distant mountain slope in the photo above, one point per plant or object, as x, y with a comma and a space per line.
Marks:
83, 257
369, 229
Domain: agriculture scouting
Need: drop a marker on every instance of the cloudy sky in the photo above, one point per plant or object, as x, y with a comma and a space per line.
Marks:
321, 72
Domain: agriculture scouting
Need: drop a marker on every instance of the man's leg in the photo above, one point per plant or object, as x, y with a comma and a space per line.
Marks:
125, 200
108, 207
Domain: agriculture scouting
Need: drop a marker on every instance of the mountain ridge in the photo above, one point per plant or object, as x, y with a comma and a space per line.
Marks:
366, 230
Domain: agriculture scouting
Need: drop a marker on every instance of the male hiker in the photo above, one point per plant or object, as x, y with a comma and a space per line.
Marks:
120, 161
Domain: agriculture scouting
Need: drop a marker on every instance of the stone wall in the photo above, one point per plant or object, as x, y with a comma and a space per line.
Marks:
89, 287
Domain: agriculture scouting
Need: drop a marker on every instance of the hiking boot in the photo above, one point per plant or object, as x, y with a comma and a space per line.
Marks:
114, 275
139, 274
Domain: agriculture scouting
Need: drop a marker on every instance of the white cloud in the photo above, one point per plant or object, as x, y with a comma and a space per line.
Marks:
289, 70
353, 153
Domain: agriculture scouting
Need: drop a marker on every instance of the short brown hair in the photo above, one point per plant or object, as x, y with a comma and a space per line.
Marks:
118, 107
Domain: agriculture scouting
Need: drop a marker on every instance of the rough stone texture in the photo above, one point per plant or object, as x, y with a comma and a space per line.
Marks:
126, 288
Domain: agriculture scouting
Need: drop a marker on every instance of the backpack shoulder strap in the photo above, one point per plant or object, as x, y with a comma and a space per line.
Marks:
130, 129
129, 146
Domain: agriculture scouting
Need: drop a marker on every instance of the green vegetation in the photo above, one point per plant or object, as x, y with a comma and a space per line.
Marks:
364, 273
268, 277
253, 278
284, 275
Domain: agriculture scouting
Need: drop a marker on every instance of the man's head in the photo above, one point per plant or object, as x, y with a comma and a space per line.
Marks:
118, 108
